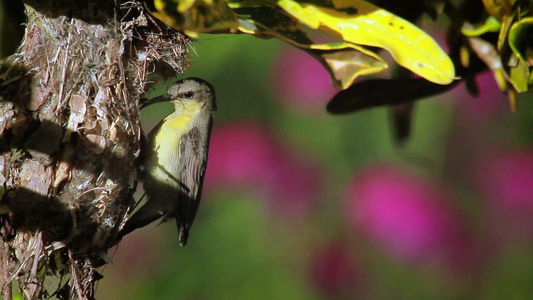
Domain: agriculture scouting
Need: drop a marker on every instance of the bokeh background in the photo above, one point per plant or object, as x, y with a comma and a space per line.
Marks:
300, 204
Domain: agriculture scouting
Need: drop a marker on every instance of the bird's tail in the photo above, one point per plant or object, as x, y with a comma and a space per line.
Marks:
183, 231
144, 216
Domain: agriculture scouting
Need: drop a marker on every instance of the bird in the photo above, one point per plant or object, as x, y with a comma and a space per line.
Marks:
174, 157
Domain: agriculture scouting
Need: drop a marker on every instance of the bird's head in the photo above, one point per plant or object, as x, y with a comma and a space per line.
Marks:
187, 92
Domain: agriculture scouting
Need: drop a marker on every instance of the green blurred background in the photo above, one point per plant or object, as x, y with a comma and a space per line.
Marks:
249, 242
300, 204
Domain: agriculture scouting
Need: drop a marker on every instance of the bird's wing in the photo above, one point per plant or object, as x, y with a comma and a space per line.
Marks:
193, 151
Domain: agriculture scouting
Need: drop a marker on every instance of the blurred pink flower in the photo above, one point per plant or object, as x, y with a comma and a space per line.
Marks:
405, 214
333, 271
247, 155
301, 81
242, 154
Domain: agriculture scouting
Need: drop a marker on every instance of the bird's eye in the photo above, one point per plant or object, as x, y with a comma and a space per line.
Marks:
188, 95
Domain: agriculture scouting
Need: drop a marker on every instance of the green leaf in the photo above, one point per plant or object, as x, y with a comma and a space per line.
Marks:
491, 25
521, 43
520, 39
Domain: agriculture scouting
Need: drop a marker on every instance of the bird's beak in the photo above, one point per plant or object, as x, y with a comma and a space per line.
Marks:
163, 98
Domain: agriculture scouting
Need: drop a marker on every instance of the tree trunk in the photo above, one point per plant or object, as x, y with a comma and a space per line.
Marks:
69, 138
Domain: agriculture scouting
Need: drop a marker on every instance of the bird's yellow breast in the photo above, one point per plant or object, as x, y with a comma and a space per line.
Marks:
174, 126
167, 141
177, 123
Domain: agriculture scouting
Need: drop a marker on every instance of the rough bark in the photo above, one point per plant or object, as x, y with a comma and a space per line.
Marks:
69, 138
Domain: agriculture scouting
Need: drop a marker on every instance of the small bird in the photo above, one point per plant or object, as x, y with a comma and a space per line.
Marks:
175, 157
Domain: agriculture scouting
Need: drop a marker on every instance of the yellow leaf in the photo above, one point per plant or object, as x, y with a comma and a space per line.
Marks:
344, 61
498, 8
361, 23
194, 16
